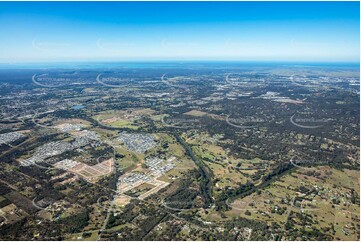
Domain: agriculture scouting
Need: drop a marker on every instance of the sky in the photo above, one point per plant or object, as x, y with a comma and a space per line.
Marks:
127, 31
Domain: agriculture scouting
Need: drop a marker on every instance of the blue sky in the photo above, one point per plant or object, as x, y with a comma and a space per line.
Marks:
123, 31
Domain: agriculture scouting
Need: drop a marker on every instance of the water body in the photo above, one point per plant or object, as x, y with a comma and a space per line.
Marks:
78, 107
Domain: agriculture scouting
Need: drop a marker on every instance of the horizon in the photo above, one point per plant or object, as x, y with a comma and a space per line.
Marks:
172, 64
293, 32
